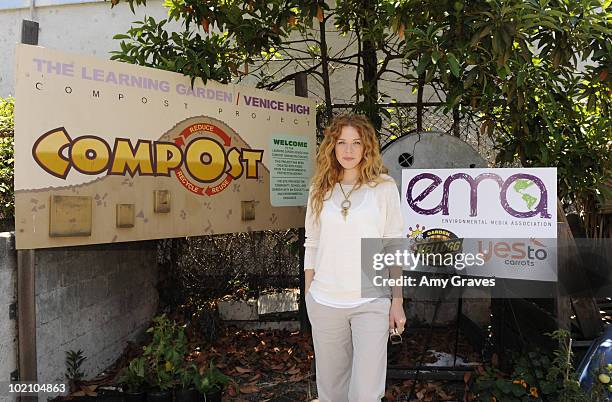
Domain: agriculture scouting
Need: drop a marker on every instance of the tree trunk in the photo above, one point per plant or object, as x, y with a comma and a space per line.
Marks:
456, 120
325, 68
419, 107
370, 67
457, 83
370, 84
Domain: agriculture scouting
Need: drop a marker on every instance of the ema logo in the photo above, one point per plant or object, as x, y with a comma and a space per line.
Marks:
524, 191
201, 157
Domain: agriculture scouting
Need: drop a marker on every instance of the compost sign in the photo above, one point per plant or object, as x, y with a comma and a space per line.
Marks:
110, 152
508, 216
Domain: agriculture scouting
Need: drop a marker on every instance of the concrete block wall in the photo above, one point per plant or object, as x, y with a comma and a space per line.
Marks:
8, 295
93, 298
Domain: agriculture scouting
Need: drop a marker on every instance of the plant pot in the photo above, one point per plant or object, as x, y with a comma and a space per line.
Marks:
159, 396
213, 396
186, 395
134, 397
110, 395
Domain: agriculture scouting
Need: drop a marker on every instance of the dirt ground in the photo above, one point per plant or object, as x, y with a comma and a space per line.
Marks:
277, 366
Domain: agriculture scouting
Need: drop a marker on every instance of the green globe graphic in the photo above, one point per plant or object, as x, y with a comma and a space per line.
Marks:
522, 187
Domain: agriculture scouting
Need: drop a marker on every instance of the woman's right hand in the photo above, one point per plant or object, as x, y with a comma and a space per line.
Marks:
308, 277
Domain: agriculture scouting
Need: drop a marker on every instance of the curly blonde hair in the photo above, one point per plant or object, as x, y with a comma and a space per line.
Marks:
328, 170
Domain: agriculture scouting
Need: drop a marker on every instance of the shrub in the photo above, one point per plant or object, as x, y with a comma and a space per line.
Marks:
535, 377
7, 120
7, 160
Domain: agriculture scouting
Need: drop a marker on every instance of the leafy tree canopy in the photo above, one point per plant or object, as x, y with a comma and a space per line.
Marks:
533, 73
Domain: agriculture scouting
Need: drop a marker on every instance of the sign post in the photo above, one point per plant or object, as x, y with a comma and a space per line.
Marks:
26, 278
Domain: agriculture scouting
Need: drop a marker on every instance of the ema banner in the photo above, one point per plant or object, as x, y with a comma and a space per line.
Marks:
111, 152
507, 216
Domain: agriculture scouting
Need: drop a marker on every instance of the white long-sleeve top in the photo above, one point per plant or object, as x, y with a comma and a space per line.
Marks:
333, 244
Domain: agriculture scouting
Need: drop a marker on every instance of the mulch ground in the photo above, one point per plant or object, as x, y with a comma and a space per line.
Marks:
278, 366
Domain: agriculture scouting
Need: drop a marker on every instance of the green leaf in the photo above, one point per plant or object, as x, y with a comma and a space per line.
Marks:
430, 74
520, 79
481, 34
453, 64
435, 56
518, 390
471, 77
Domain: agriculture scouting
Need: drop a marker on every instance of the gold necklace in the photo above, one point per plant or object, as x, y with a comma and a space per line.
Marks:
346, 204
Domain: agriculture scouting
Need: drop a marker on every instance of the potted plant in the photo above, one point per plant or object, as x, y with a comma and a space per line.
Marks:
132, 380
109, 393
161, 380
185, 390
77, 388
210, 383
164, 355
74, 375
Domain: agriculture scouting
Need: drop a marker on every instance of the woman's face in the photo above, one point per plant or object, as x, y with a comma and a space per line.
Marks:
349, 147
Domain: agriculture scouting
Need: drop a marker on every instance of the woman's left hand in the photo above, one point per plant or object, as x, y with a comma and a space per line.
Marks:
397, 318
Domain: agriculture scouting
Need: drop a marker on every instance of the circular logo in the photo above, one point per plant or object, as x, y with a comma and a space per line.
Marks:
207, 152
438, 246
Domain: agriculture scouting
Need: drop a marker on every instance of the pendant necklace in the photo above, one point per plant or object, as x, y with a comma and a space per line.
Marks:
346, 204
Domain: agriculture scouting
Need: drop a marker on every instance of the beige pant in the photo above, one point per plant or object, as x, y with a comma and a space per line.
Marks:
350, 350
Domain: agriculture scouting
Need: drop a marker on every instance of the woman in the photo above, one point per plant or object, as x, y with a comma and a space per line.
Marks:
351, 197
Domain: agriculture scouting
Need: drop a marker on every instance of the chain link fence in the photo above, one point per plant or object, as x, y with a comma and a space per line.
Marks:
400, 119
239, 264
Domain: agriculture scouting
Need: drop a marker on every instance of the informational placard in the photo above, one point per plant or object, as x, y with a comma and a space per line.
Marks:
509, 216
291, 170
111, 152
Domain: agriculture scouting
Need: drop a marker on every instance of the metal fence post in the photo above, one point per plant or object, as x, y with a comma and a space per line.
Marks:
301, 89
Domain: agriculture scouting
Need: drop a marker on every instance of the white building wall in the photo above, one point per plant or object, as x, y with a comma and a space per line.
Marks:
88, 26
